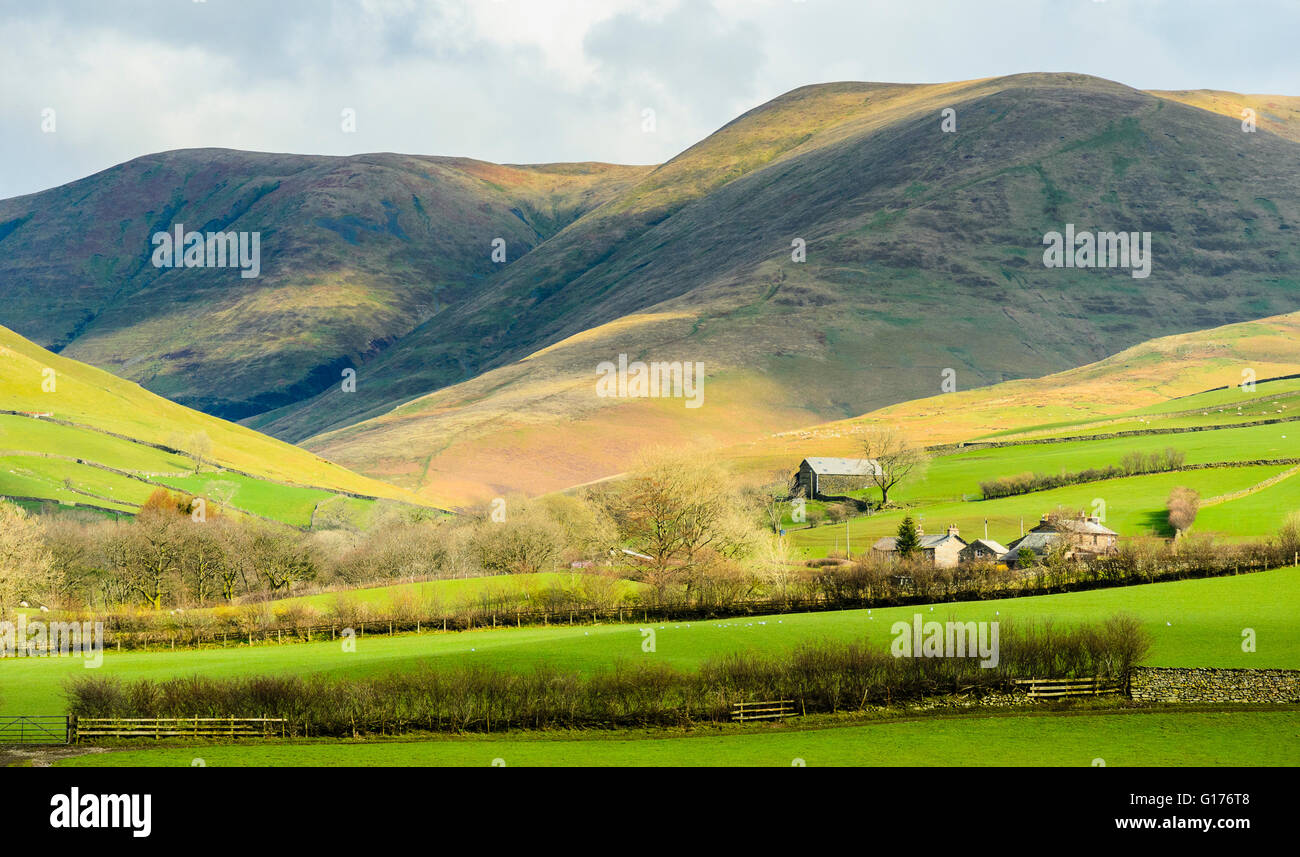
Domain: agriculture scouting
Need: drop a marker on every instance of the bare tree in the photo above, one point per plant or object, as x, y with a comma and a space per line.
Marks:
146, 556
25, 562
896, 457
200, 447
203, 559
281, 556
1183, 504
526, 542
682, 511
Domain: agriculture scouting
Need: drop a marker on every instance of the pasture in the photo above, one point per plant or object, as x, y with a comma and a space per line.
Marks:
1118, 738
1192, 623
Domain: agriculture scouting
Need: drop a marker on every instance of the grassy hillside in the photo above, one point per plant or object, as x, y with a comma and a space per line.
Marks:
98, 440
1220, 433
1177, 381
355, 252
923, 255
1192, 623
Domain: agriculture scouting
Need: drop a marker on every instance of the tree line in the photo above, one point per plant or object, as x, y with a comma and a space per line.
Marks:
677, 521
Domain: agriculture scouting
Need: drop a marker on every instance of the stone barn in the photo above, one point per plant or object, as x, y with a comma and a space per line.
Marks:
835, 476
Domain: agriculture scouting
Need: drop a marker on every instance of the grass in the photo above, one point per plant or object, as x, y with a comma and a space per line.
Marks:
952, 476
292, 504
99, 402
1255, 514
1192, 623
52, 461
457, 591
1120, 739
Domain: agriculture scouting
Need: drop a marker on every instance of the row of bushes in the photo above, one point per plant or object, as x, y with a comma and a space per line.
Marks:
1132, 464
835, 583
819, 677
1135, 561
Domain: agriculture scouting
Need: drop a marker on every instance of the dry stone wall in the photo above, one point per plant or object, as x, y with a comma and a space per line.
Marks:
1158, 684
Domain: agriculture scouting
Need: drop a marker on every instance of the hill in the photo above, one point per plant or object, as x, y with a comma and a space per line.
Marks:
923, 264
924, 254
74, 434
355, 252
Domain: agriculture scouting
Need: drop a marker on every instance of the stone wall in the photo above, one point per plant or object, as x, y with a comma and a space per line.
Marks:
1163, 684
834, 485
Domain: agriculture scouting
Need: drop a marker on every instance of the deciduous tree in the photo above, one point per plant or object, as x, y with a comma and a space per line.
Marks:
898, 459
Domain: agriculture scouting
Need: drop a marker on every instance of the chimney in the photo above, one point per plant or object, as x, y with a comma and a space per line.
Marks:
952, 529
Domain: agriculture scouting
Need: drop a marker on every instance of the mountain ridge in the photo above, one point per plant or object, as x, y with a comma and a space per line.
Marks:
907, 230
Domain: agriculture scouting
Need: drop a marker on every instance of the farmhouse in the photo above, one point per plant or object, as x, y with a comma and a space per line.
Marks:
1084, 537
982, 550
940, 551
829, 476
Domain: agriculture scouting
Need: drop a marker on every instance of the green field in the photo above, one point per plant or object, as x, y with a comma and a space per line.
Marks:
1224, 406
292, 504
38, 459
948, 491
1132, 738
1134, 506
1192, 623
464, 591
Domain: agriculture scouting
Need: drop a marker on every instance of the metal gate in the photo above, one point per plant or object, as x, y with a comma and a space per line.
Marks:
39, 729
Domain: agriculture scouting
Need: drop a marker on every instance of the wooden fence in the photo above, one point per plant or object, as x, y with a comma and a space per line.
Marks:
1055, 688
80, 728
777, 709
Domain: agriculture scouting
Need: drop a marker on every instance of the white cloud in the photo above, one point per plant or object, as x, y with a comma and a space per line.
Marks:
543, 80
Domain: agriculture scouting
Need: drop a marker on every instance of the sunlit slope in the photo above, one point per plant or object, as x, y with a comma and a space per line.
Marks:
538, 426
924, 254
100, 405
1114, 394
1276, 114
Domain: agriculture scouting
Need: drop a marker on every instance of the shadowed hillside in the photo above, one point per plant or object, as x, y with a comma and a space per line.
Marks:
355, 252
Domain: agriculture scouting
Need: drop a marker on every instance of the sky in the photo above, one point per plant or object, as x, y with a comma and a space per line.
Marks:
92, 83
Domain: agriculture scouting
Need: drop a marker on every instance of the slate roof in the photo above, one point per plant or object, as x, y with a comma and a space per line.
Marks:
1039, 541
997, 549
890, 543
1088, 526
844, 466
